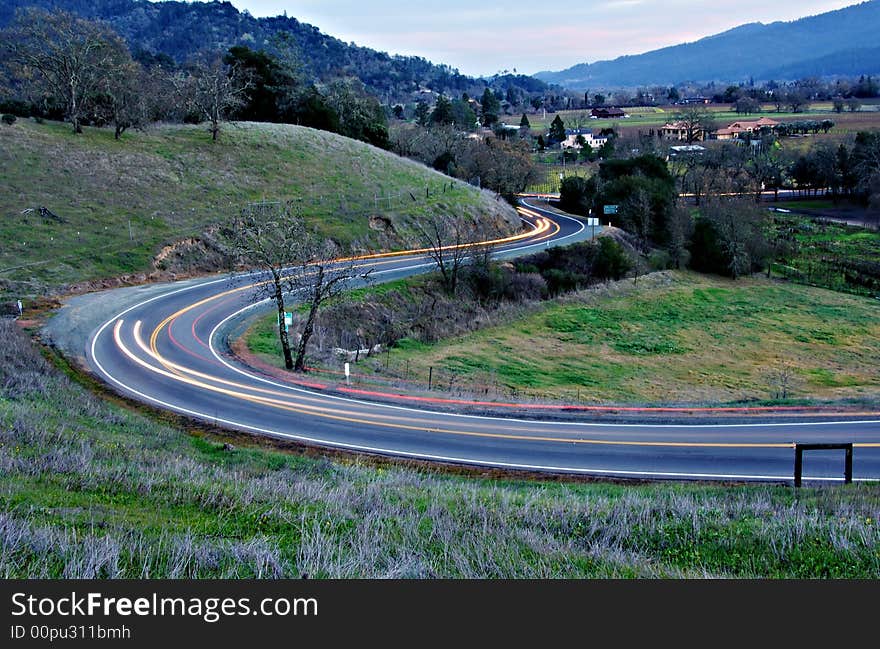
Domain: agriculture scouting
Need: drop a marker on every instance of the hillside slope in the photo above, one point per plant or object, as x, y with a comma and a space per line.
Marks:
183, 29
754, 50
116, 207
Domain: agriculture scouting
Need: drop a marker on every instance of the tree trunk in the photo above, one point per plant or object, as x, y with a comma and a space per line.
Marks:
282, 328
308, 330
300, 363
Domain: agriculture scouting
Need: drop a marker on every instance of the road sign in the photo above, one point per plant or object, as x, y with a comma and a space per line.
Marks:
592, 221
610, 209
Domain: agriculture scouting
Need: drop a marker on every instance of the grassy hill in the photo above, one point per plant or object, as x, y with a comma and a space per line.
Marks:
674, 337
116, 205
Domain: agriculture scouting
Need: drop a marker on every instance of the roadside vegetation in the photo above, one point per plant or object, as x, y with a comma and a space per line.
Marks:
93, 490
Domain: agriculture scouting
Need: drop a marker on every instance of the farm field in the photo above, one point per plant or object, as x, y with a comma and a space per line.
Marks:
647, 117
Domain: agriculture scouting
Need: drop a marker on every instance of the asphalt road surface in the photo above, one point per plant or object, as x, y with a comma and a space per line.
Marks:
170, 350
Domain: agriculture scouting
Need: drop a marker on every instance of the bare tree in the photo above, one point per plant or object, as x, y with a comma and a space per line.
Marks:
292, 262
765, 169
696, 122
679, 225
213, 90
739, 225
320, 276
637, 215
797, 100
126, 101
63, 56
446, 241
266, 236
782, 379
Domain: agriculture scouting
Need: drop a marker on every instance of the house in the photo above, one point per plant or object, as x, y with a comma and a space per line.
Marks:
679, 131
736, 130
571, 136
607, 113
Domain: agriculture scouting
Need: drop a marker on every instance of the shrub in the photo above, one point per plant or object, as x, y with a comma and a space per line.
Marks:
611, 260
8, 118
16, 107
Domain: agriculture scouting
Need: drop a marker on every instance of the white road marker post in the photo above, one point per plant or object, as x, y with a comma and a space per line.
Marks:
347, 374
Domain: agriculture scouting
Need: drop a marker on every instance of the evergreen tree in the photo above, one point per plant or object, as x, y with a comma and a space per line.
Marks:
524, 122
422, 113
442, 111
557, 130
491, 107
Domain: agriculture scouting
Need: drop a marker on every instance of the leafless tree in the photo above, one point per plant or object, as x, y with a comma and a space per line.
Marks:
637, 217
126, 101
680, 226
782, 380
213, 89
446, 241
797, 100
696, 121
319, 277
58, 54
739, 227
291, 261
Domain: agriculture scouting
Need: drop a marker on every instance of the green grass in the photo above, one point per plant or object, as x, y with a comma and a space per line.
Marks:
673, 338
89, 489
172, 182
829, 254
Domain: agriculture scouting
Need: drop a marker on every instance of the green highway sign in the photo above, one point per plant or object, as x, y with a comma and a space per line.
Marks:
610, 209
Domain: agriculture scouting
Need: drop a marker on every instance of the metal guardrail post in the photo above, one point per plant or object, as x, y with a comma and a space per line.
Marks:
799, 459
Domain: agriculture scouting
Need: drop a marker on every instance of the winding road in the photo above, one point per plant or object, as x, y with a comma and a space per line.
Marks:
170, 350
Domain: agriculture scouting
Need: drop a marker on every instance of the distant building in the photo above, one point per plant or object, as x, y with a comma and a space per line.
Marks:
738, 129
695, 100
690, 149
679, 131
607, 113
571, 136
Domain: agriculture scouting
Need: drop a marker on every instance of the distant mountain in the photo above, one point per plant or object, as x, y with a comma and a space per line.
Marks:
842, 42
181, 29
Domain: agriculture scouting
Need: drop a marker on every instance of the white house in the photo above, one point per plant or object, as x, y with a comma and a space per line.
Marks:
571, 136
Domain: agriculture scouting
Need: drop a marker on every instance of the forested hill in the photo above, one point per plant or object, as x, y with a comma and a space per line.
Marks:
181, 29
841, 42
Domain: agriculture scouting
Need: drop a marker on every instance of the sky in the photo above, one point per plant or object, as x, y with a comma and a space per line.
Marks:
481, 38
